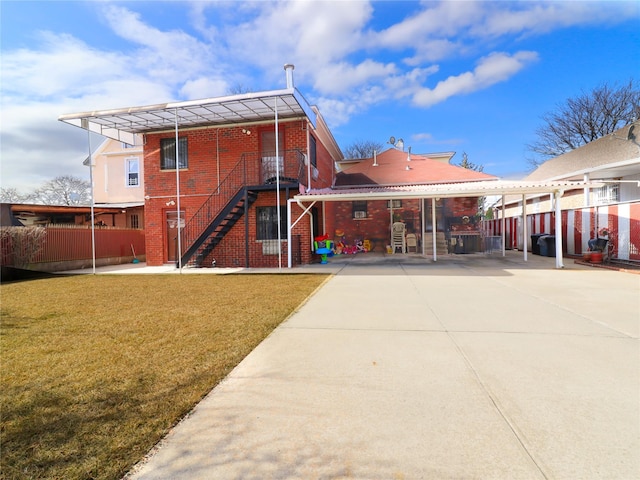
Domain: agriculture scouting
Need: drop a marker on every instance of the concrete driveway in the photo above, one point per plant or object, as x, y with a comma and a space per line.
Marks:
476, 367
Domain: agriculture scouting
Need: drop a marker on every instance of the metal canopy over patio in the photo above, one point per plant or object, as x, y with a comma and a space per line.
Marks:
128, 124
445, 190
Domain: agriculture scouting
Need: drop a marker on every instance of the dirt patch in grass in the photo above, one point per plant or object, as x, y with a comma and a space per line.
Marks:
96, 369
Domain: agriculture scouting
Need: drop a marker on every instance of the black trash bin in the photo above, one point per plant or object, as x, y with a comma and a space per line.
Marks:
547, 244
550, 240
543, 246
535, 246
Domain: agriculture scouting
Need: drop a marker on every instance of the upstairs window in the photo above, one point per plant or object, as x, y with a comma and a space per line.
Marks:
312, 151
168, 153
133, 171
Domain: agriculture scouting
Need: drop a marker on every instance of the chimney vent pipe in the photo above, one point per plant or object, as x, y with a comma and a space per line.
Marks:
289, 69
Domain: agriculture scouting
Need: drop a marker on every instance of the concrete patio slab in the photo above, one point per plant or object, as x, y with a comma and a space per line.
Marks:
467, 369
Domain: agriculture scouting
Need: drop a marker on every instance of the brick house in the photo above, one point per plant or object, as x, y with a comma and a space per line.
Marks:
371, 219
221, 205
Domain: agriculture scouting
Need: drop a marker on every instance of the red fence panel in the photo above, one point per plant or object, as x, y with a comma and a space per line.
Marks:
72, 243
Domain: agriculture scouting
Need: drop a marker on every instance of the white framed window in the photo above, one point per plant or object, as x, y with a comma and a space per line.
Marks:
610, 193
132, 167
396, 203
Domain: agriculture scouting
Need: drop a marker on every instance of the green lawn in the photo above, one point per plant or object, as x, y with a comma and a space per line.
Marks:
96, 369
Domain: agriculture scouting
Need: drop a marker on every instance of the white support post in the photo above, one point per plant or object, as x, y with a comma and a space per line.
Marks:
525, 232
433, 229
278, 186
422, 228
93, 216
289, 236
558, 222
178, 193
504, 231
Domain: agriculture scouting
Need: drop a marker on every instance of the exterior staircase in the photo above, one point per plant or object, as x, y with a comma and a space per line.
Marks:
441, 243
219, 226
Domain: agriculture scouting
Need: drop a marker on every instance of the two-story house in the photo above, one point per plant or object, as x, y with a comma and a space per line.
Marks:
218, 173
118, 181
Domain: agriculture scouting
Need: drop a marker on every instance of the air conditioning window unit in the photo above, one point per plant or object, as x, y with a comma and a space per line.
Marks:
359, 214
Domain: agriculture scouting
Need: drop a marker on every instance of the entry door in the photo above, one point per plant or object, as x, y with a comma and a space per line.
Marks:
428, 227
271, 166
172, 234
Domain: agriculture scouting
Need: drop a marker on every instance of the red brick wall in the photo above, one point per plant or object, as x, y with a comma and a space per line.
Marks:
377, 225
200, 179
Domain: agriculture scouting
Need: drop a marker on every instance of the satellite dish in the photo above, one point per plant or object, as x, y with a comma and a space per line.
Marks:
400, 144
392, 140
630, 134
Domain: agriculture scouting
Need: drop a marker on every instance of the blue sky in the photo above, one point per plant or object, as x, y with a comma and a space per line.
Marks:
463, 76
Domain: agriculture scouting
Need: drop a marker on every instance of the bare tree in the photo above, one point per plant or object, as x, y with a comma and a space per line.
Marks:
23, 243
12, 195
362, 149
238, 89
585, 118
64, 190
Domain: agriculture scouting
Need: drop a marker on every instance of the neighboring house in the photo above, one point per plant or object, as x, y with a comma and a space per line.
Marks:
118, 180
239, 159
457, 218
613, 160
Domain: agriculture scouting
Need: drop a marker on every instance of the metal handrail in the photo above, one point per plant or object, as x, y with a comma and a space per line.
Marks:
252, 169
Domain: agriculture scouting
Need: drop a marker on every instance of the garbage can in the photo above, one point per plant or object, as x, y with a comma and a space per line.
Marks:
535, 246
543, 246
550, 240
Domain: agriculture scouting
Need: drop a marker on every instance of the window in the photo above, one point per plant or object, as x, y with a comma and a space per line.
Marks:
610, 193
168, 153
359, 209
134, 221
133, 173
124, 146
312, 151
396, 203
267, 223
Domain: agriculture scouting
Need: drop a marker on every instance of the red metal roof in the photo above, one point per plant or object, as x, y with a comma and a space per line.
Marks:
392, 167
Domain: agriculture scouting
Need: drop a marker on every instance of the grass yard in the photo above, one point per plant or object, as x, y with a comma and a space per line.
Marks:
96, 369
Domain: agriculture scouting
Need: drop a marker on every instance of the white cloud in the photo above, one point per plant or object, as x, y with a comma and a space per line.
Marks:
344, 61
492, 69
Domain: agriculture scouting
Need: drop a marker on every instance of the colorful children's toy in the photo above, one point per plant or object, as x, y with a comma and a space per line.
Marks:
323, 247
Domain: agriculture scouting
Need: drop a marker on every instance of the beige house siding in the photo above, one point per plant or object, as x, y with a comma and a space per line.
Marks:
111, 176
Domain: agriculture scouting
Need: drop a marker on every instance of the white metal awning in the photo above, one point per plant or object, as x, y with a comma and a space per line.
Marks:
442, 190
127, 124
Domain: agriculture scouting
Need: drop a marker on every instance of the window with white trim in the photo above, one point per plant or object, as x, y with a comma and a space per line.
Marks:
132, 166
396, 203
610, 193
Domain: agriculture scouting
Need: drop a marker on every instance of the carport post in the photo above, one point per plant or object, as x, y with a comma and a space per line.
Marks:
433, 228
524, 225
559, 264
289, 228
504, 232
423, 227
